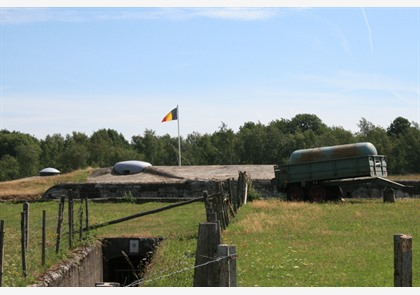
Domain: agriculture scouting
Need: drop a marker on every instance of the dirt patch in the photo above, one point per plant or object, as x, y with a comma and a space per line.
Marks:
20, 198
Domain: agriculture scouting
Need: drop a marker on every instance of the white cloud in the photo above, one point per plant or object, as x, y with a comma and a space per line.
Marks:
85, 14
18, 15
239, 13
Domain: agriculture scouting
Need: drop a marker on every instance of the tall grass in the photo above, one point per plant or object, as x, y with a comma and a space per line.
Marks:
327, 245
176, 226
11, 214
34, 187
279, 244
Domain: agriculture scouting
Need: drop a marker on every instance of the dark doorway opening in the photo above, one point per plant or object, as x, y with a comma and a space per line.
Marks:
125, 259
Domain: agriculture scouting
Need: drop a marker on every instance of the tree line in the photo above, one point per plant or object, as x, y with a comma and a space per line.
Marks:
23, 155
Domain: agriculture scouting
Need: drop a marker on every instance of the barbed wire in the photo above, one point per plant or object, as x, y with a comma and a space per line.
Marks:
152, 278
182, 261
33, 258
51, 228
33, 231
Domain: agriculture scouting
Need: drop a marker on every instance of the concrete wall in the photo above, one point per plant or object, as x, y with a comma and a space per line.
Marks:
83, 270
92, 265
152, 191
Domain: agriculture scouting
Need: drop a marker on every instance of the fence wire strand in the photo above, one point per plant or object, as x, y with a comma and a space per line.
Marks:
13, 237
155, 278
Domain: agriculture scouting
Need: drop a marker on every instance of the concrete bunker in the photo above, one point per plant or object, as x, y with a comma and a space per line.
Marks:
130, 167
111, 262
125, 259
49, 172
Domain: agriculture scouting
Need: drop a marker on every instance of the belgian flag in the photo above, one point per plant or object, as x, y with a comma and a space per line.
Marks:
172, 115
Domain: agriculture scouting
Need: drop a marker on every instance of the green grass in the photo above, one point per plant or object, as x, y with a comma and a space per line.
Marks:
279, 244
326, 245
178, 225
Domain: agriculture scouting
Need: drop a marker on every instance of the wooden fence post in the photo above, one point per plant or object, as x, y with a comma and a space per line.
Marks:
211, 204
206, 268
59, 222
403, 261
389, 195
26, 223
219, 211
232, 266
208, 205
1, 251
232, 193
223, 207
71, 219
87, 213
44, 236
227, 265
245, 194
240, 189
81, 220
23, 243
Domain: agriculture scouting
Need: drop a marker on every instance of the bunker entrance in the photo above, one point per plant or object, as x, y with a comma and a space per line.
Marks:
125, 259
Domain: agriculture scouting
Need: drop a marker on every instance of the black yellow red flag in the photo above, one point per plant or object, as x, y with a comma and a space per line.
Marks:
172, 115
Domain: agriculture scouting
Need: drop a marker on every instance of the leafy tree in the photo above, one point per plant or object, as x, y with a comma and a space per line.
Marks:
9, 168
74, 157
223, 141
398, 127
336, 136
305, 122
76, 152
123, 154
27, 157
375, 135
170, 153
23, 155
150, 146
252, 143
199, 150
189, 151
51, 149
106, 146
24, 148
9, 141
282, 141
365, 128
404, 156
275, 144
283, 125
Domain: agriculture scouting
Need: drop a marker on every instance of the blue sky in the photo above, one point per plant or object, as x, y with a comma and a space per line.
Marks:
84, 69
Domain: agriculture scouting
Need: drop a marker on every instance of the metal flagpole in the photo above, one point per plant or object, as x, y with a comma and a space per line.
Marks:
179, 137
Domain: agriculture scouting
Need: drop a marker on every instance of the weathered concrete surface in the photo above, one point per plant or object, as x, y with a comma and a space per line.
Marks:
175, 182
84, 269
164, 182
177, 174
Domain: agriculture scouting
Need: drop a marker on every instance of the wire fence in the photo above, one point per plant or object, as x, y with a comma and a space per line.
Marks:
170, 272
27, 241
28, 248
33, 240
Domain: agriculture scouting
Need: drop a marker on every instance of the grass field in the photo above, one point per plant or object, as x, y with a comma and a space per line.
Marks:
177, 226
279, 244
325, 245
282, 244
